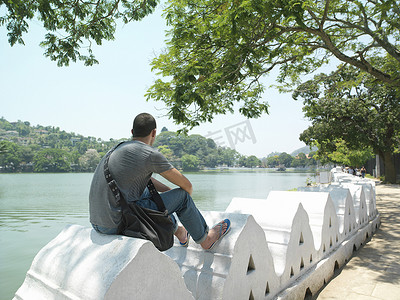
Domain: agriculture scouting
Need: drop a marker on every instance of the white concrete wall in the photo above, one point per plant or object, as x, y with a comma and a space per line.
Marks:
281, 247
287, 232
344, 207
240, 264
82, 264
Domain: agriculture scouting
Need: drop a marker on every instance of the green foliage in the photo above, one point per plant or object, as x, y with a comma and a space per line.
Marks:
285, 159
273, 161
21, 144
352, 106
252, 162
309, 181
344, 156
300, 161
190, 162
81, 23
52, 160
3, 147
249, 162
227, 156
49, 149
174, 142
89, 160
218, 51
166, 151
175, 146
11, 155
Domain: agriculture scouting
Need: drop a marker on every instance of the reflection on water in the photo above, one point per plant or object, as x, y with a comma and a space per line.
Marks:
34, 208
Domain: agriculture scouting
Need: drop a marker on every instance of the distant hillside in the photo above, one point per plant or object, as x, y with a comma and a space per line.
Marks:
305, 150
274, 154
26, 148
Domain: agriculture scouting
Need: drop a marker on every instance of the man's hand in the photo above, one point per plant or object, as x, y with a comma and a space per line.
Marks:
177, 178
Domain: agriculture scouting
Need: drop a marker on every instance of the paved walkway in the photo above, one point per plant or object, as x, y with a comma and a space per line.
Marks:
374, 270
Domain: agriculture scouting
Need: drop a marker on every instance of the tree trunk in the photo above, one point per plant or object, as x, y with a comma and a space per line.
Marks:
390, 171
378, 166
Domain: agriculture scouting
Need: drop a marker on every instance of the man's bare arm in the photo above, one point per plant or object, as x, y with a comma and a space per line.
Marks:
161, 187
177, 178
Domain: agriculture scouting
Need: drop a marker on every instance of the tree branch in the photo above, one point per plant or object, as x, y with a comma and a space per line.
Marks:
363, 65
325, 13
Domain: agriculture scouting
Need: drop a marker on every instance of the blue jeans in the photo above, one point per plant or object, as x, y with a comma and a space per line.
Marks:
104, 230
180, 202
176, 201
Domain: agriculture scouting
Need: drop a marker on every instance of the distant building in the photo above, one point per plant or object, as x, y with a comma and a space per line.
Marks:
75, 140
41, 131
12, 133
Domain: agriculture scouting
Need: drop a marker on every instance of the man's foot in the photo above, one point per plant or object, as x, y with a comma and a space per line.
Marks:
183, 236
216, 233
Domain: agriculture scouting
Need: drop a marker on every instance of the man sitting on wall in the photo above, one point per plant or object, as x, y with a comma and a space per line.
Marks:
132, 165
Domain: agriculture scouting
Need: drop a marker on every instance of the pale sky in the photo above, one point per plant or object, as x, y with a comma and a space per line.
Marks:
102, 100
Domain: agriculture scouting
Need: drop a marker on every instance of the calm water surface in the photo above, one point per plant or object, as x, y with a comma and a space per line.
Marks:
34, 208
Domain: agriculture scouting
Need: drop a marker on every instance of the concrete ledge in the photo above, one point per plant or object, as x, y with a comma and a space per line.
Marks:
287, 231
316, 277
240, 265
344, 207
83, 264
283, 247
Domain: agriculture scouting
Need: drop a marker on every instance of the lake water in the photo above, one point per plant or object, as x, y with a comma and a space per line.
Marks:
34, 208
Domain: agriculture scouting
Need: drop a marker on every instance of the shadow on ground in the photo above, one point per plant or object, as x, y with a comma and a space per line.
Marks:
378, 260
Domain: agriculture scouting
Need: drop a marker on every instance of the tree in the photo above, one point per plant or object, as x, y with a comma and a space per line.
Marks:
89, 160
285, 159
273, 161
312, 158
211, 160
218, 51
227, 156
4, 124
173, 140
82, 24
166, 151
242, 160
51, 160
211, 143
352, 106
344, 156
300, 160
190, 163
11, 155
22, 128
195, 143
252, 161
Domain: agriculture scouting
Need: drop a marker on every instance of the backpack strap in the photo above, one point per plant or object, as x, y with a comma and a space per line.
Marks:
110, 180
117, 193
155, 196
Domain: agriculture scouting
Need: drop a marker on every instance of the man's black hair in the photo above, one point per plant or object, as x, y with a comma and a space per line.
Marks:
143, 124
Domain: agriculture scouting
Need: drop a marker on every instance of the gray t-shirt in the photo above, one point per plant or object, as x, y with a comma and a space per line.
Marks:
131, 165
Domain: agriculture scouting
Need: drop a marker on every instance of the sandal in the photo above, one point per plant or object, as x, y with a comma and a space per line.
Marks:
221, 234
185, 244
